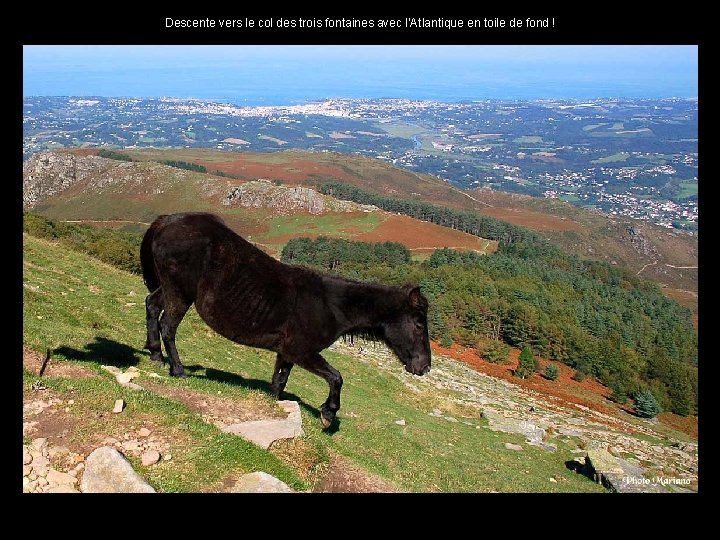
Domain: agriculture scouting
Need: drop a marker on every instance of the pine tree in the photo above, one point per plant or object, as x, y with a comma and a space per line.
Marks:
551, 372
646, 404
526, 366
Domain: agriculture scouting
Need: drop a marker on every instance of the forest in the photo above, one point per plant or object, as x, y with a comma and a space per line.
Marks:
601, 320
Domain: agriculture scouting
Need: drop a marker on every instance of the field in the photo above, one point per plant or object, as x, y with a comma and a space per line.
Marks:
90, 314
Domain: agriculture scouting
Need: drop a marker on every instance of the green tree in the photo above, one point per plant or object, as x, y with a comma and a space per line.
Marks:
526, 367
646, 404
552, 372
495, 351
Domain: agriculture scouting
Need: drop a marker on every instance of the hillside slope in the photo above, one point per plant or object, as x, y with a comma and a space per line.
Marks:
90, 314
88, 188
667, 256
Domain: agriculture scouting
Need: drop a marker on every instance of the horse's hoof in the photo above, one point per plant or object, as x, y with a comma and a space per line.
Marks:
325, 422
180, 375
157, 359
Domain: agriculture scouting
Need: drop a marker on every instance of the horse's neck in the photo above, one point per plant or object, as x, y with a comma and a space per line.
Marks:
362, 305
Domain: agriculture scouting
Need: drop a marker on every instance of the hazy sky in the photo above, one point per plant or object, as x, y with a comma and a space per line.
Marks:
655, 70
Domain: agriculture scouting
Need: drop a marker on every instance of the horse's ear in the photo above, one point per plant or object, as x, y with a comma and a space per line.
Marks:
416, 298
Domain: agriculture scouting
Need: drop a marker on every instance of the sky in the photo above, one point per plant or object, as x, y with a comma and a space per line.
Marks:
286, 72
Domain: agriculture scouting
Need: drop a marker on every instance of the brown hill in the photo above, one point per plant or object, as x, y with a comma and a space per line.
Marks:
664, 255
81, 187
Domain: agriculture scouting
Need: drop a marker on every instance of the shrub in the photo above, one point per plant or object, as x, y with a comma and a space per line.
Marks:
495, 351
446, 342
526, 366
579, 375
646, 404
552, 372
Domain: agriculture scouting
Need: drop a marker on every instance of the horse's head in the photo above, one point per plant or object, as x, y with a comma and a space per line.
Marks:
406, 331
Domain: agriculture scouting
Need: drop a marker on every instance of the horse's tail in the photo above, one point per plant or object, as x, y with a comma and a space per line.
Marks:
147, 261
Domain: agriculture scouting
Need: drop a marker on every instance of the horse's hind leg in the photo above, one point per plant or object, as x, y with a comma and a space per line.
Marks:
318, 365
153, 307
280, 375
174, 310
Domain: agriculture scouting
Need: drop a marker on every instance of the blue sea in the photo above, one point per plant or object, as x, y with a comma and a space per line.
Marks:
288, 75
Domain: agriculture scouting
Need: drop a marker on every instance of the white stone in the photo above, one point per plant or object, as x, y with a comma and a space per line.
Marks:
150, 457
400, 422
260, 482
58, 477
143, 432
119, 405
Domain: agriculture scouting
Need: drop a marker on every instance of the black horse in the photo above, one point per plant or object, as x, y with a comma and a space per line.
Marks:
250, 298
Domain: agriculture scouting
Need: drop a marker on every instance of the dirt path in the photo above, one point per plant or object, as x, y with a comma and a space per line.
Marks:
345, 477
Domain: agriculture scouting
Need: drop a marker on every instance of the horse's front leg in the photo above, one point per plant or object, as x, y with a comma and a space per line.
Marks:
280, 375
316, 364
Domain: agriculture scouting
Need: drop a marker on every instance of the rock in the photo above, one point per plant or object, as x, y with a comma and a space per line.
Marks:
132, 369
498, 422
450, 419
119, 406
265, 432
143, 432
133, 386
27, 459
124, 378
40, 463
167, 457
112, 369
553, 480
107, 471
42, 482
548, 447
131, 446
63, 489
27, 469
436, 413
400, 422
60, 478
71, 402
150, 457
511, 446
26, 481
39, 444
260, 482
569, 432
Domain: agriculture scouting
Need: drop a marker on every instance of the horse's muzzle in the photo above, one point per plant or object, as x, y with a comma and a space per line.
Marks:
417, 371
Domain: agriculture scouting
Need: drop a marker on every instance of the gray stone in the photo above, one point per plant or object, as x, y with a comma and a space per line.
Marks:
498, 422
112, 369
450, 419
265, 432
548, 447
150, 457
569, 432
57, 477
260, 482
107, 471
119, 406
124, 378
511, 446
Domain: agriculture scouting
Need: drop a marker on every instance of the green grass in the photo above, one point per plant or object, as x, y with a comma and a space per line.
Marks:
688, 189
340, 225
92, 324
613, 158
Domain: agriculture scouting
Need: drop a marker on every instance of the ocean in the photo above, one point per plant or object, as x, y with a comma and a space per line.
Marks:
278, 79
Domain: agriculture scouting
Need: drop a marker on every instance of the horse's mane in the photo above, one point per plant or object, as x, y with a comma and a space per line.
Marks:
365, 334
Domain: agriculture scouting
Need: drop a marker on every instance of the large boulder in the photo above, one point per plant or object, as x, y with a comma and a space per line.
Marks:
107, 471
265, 432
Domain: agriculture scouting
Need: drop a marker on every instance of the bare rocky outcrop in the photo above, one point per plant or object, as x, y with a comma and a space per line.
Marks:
286, 199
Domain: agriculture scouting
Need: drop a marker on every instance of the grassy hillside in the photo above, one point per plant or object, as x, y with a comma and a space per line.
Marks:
129, 195
579, 231
91, 314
